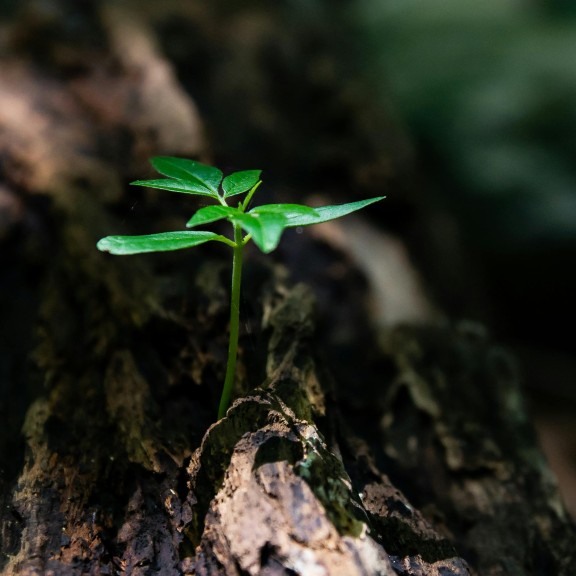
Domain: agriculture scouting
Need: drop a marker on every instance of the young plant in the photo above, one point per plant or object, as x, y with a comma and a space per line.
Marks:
263, 225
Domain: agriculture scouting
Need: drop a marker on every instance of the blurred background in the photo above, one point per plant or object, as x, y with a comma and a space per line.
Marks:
487, 93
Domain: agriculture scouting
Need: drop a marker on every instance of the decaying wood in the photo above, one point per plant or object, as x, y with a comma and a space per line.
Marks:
406, 453
455, 409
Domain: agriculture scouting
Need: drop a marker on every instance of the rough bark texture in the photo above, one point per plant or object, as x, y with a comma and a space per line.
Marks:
354, 448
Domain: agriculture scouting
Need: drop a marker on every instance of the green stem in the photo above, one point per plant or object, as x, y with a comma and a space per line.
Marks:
234, 321
244, 204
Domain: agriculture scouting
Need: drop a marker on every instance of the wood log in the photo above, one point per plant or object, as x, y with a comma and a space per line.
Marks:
420, 460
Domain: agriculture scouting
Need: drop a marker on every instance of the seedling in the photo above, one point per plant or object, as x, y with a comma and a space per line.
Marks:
262, 224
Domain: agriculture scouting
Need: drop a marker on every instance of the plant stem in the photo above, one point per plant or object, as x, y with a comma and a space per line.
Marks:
234, 321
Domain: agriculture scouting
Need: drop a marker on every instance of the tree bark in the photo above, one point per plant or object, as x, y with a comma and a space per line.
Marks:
352, 448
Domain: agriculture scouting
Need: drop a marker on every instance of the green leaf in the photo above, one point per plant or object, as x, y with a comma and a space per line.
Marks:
176, 186
123, 245
287, 210
266, 229
326, 213
212, 214
240, 182
189, 171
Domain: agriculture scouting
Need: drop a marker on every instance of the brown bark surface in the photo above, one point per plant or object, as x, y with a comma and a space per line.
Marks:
353, 447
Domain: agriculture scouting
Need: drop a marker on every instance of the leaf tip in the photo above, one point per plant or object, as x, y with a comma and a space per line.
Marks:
104, 244
138, 183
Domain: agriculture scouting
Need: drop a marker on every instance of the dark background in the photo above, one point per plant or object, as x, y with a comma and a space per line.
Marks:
487, 92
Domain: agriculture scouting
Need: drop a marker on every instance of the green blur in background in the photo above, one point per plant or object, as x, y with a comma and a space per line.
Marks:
491, 87
487, 92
